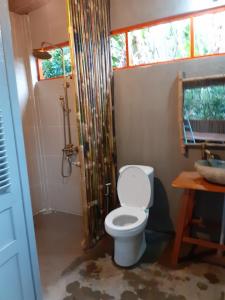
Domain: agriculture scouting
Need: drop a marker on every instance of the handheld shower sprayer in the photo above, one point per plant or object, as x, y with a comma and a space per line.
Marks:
69, 150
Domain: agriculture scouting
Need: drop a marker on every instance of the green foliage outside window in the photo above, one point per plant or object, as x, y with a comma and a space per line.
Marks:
209, 34
205, 103
160, 43
53, 67
118, 50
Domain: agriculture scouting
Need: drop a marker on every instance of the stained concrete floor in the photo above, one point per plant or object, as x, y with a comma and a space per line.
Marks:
58, 237
94, 276
67, 273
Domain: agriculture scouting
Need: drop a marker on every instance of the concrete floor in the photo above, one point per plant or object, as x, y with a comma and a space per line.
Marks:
68, 273
94, 276
58, 237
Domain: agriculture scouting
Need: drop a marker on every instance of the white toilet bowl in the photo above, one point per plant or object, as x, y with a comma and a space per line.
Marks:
127, 223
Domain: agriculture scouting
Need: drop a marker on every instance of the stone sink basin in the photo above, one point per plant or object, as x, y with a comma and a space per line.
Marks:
212, 170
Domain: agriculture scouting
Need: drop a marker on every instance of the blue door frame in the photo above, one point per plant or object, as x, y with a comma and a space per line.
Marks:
26, 217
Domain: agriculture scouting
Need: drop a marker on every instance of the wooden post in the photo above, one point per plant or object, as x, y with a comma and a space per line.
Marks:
222, 233
184, 218
180, 113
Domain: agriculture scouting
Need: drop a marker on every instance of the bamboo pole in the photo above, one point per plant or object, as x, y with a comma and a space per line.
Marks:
180, 113
89, 27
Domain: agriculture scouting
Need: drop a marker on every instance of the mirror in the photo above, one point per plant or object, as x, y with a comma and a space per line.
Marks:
202, 111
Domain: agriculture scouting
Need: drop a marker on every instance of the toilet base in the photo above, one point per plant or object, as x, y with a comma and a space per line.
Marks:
128, 251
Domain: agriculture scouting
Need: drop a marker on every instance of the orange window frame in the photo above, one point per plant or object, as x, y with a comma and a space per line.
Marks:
39, 64
126, 30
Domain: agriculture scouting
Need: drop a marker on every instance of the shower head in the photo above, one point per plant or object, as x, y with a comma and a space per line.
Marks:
41, 54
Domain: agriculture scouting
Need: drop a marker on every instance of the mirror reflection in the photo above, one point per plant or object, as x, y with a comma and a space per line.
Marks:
204, 111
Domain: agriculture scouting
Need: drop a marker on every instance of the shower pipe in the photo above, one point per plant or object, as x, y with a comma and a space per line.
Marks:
69, 149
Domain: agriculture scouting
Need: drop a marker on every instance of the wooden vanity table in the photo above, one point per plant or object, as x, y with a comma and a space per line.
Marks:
191, 182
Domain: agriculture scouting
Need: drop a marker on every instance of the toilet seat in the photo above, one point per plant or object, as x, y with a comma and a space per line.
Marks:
124, 221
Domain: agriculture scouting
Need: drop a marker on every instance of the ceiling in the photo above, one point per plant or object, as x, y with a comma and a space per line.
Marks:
25, 6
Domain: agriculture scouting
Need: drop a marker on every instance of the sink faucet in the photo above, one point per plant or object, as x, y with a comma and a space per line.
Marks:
206, 154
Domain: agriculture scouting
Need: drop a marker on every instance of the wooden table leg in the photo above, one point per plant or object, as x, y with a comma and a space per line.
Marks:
222, 233
184, 217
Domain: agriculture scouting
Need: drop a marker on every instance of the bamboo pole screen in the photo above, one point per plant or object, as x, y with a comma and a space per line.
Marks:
89, 24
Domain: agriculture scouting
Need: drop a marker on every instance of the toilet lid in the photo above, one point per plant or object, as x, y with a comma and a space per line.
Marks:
134, 188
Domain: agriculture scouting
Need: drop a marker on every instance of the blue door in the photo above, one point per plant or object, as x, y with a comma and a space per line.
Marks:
19, 274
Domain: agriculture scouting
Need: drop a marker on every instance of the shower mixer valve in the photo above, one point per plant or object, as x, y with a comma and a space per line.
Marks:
70, 150
64, 106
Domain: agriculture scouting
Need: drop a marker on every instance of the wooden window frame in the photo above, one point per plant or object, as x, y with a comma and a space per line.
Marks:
126, 30
39, 65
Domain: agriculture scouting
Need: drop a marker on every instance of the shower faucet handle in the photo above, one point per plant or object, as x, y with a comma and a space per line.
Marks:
76, 164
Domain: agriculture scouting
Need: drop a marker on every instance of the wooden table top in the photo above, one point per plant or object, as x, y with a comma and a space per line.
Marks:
194, 181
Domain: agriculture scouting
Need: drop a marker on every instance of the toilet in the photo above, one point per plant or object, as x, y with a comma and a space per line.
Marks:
127, 223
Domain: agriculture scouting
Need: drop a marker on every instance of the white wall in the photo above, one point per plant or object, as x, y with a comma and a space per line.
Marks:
146, 107
49, 24
130, 12
62, 194
41, 110
23, 64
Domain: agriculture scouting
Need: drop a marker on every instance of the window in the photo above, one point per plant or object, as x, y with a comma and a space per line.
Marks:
53, 67
209, 31
186, 37
118, 46
160, 43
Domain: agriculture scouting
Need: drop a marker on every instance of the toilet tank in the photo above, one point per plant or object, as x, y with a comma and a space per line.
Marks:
124, 192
